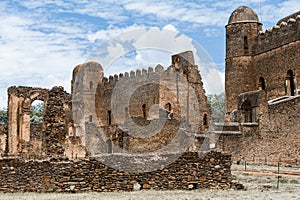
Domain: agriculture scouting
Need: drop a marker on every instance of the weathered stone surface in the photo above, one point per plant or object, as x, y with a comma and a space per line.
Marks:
92, 175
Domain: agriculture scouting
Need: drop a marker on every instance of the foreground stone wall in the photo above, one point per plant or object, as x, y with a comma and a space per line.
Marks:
189, 171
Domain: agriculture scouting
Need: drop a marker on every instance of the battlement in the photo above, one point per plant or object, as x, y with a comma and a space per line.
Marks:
284, 33
158, 73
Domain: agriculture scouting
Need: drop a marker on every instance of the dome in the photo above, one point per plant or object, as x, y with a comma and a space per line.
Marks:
243, 14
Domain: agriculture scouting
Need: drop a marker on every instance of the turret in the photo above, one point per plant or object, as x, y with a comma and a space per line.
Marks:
241, 32
241, 38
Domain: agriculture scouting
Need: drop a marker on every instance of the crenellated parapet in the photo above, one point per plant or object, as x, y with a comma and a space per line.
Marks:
150, 74
284, 33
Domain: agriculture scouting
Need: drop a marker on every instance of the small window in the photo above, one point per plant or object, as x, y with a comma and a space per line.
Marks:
168, 107
109, 117
91, 85
246, 46
205, 122
91, 118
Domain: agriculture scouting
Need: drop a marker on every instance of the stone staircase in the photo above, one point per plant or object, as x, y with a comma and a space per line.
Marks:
227, 128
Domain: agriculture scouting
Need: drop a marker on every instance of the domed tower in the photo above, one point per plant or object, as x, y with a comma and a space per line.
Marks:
241, 37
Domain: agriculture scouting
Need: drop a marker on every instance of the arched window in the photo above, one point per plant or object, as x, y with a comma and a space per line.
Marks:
37, 112
261, 84
290, 83
91, 118
246, 47
144, 111
247, 111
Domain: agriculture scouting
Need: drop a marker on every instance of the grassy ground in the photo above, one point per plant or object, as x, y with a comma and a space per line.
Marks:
260, 183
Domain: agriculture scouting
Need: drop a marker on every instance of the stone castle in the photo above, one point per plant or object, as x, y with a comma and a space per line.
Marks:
261, 121
262, 92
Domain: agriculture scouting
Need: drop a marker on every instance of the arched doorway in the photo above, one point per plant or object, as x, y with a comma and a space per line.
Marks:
247, 111
290, 83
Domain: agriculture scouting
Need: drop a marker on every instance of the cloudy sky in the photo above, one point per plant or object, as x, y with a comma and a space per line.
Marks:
42, 41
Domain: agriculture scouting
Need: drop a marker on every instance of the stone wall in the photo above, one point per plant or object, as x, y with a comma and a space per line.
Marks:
188, 172
273, 66
275, 139
56, 121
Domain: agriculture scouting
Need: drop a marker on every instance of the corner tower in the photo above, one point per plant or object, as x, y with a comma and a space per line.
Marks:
241, 39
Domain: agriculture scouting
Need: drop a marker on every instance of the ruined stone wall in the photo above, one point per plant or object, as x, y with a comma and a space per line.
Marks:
188, 172
56, 121
19, 102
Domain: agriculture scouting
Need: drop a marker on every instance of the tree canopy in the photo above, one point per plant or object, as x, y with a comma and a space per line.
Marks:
216, 103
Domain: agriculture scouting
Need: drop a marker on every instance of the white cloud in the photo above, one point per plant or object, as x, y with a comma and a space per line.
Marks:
146, 47
41, 41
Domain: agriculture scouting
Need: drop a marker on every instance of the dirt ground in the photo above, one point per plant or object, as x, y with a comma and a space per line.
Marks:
259, 182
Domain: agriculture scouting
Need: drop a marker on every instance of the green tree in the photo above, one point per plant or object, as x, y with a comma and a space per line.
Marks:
37, 113
216, 103
3, 116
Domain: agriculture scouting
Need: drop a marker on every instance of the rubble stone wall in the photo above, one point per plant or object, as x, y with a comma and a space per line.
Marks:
188, 172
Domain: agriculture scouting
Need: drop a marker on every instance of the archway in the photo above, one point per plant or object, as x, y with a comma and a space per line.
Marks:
37, 112
36, 120
247, 111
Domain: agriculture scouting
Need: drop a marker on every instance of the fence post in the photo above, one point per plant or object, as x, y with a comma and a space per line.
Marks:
278, 175
245, 165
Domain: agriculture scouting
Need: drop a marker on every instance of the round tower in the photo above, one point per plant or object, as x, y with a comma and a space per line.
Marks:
241, 37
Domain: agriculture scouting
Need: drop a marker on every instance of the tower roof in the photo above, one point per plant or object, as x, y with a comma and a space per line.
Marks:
243, 14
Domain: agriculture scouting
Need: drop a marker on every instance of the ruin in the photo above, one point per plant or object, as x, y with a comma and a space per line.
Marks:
163, 112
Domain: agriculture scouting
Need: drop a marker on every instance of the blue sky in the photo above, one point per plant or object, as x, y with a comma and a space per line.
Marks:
42, 41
